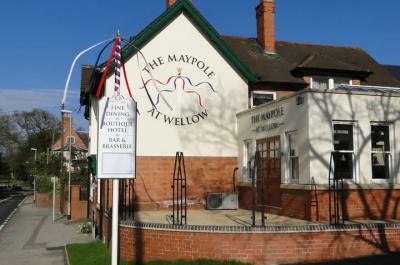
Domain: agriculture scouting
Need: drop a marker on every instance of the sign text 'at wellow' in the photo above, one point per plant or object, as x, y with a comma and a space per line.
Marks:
266, 117
194, 85
116, 138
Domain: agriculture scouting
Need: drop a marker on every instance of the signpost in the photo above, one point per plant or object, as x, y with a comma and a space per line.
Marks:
54, 180
116, 150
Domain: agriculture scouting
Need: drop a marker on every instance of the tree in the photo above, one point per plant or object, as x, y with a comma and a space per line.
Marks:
38, 128
4, 168
21, 131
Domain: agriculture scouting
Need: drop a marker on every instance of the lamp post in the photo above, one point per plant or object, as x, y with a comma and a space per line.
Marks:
34, 177
64, 112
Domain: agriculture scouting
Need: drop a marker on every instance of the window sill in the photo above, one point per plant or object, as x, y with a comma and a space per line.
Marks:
244, 184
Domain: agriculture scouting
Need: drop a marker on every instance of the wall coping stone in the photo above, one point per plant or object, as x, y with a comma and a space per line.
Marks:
259, 229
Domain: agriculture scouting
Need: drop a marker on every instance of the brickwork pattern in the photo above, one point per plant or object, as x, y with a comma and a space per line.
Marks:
45, 200
204, 175
78, 207
376, 204
257, 248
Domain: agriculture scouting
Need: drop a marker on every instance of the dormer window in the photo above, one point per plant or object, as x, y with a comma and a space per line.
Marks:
70, 140
261, 97
322, 82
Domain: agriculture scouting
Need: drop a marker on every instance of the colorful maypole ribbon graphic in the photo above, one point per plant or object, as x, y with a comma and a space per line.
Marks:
172, 82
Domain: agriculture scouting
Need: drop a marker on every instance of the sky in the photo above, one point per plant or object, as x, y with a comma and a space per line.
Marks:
42, 37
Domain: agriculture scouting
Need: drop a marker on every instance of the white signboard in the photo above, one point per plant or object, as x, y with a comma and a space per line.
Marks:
116, 138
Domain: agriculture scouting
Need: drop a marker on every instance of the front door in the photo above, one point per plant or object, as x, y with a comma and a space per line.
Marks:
270, 170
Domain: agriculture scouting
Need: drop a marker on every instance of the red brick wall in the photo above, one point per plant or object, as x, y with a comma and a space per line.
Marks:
357, 204
204, 175
45, 200
78, 207
265, 13
366, 204
257, 248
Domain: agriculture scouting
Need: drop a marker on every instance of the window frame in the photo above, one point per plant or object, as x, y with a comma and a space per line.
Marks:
70, 137
289, 177
260, 92
390, 153
247, 159
354, 152
331, 80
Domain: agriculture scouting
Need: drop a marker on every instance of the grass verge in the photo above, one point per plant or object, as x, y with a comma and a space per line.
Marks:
96, 253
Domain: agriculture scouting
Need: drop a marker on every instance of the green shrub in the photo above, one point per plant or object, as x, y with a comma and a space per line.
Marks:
86, 228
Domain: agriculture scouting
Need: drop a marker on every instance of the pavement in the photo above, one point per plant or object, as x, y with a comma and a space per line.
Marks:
31, 238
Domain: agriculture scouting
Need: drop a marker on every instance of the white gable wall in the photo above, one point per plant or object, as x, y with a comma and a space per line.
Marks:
207, 130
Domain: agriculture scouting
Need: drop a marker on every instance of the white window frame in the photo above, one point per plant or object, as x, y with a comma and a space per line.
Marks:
391, 142
355, 178
331, 81
247, 156
72, 138
260, 92
289, 178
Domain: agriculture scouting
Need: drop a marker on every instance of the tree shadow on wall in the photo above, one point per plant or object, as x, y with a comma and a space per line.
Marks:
387, 259
373, 206
217, 132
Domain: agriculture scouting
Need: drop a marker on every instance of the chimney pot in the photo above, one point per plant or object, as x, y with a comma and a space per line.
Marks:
171, 2
265, 14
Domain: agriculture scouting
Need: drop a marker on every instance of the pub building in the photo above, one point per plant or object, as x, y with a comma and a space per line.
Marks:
219, 99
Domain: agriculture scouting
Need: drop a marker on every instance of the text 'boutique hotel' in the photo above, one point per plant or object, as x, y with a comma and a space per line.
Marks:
296, 130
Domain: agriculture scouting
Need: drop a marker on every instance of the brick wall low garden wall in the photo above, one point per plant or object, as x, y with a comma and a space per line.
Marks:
78, 207
154, 178
376, 204
45, 200
271, 245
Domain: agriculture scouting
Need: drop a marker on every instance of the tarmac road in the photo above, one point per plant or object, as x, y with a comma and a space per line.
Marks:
7, 206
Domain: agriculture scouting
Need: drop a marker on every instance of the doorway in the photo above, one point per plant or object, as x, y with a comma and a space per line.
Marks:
270, 170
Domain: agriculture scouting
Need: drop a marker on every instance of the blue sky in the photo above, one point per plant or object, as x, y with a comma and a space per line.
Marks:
41, 38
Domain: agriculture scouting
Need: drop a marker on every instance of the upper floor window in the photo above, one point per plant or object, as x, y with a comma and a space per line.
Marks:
322, 82
261, 97
70, 140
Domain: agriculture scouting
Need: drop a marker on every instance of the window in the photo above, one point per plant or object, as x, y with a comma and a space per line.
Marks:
247, 154
341, 81
293, 156
343, 144
70, 140
380, 150
321, 82
261, 97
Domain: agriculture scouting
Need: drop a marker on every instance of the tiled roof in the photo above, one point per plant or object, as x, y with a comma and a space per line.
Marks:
291, 57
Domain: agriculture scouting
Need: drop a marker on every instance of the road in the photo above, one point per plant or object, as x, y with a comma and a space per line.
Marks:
7, 206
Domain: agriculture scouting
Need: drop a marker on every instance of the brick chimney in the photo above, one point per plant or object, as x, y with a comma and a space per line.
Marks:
66, 125
171, 2
265, 14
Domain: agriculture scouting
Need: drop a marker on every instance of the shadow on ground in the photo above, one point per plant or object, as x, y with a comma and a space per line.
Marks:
386, 259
